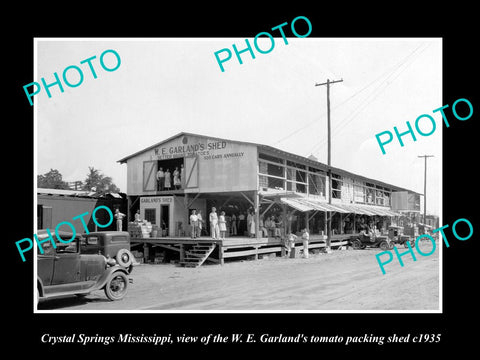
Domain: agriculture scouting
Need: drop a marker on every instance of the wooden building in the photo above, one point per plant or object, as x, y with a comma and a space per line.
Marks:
237, 176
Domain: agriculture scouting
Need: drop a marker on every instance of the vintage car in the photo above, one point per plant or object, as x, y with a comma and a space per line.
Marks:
396, 236
111, 244
362, 240
65, 270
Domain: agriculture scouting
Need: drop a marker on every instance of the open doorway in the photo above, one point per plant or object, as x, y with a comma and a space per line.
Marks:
174, 173
165, 219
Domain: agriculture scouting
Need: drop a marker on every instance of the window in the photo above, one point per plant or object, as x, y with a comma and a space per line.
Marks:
291, 174
150, 215
270, 169
316, 184
387, 199
275, 183
47, 249
270, 158
275, 170
370, 193
301, 188
262, 167
263, 181
70, 247
271, 175
359, 194
301, 176
92, 240
336, 186
379, 197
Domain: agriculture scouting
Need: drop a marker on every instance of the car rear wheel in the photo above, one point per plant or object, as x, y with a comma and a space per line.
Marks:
383, 245
356, 244
116, 286
124, 258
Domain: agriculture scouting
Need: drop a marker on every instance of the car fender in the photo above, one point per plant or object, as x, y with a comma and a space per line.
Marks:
107, 273
40, 286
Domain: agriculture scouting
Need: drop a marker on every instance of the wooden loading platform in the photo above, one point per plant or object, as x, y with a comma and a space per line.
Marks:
195, 252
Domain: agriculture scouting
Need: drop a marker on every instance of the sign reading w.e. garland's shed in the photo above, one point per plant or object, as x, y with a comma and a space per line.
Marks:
209, 165
200, 148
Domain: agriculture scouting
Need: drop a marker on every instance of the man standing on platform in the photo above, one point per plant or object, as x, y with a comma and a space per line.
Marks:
214, 230
194, 224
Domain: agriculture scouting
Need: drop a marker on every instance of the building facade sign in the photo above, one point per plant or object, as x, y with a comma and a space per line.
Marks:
189, 147
156, 200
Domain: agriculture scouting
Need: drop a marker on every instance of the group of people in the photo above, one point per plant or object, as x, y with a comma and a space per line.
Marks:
218, 226
242, 224
164, 178
221, 224
196, 224
272, 227
290, 244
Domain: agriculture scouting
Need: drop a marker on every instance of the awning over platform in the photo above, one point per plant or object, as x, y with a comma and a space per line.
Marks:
297, 204
305, 204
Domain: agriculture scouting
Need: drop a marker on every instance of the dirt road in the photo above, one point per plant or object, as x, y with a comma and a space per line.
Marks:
342, 280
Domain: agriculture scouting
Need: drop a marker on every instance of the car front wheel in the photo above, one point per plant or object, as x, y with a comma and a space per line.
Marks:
116, 286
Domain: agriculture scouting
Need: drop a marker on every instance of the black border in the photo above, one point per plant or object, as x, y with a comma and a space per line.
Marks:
455, 25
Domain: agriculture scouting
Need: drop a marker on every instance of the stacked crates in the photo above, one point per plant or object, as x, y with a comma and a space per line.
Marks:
140, 229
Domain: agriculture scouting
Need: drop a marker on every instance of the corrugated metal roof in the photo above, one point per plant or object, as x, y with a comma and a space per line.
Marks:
63, 192
78, 193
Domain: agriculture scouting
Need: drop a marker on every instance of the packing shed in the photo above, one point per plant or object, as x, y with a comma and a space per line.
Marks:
259, 188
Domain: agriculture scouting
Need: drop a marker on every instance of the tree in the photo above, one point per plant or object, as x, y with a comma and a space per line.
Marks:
51, 180
98, 182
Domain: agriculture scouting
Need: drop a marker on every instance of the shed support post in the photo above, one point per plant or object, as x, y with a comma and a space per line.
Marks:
145, 252
182, 252
186, 228
257, 214
220, 253
307, 213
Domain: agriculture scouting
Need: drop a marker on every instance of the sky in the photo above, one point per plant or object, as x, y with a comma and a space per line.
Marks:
165, 86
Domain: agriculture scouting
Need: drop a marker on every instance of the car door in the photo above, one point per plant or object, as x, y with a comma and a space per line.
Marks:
66, 265
45, 263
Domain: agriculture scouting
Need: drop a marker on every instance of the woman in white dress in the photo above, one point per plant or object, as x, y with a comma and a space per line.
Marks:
176, 179
213, 218
252, 225
222, 225
168, 179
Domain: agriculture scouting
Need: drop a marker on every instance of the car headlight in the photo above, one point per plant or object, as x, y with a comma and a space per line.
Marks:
109, 261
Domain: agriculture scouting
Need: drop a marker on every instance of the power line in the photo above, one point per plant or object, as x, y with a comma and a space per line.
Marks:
329, 226
375, 93
391, 70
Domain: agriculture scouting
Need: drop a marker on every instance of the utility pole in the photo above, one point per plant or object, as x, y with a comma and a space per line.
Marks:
329, 226
425, 188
